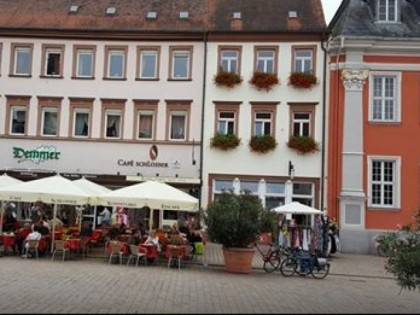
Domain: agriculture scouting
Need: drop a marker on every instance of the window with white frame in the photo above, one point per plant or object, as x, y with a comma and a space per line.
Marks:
301, 124
145, 123
303, 60
49, 121
274, 194
148, 64
112, 123
388, 10
221, 186
22, 61
181, 63
226, 122
178, 124
384, 182
116, 64
84, 63
303, 193
53, 60
229, 60
18, 123
262, 123
81, 122
266, 60
384, 105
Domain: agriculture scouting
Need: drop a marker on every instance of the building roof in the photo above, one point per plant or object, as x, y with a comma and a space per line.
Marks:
131, 15
358, 18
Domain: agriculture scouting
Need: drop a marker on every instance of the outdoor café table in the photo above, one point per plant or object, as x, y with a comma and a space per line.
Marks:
150, 250
8, 241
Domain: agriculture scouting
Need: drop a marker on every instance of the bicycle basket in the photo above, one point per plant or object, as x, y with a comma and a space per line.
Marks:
321, 261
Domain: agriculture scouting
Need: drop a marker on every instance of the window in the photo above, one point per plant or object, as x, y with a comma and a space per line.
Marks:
226, 123
181, 63
301, 124
22, 60
221, 186
178, 120
303, 193
148, 63
262, 124
18, 119
275, 194
115, 62
52, 60
80, 117
85, 61
266, 60
384, 181
263, 118
303, 60
112, 124
146, 123
229, 59
49, 121
387, 10
384, 98
302, 119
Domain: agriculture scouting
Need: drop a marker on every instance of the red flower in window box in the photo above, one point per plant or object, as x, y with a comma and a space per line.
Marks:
303, 144
227, 79
264, 80
302, 80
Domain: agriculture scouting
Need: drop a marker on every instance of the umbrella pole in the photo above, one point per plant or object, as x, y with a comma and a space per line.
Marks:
151, 220
53, 228
94, 216
1, 217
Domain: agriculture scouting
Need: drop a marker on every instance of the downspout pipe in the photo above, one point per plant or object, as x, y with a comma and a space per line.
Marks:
203, 105
324, 120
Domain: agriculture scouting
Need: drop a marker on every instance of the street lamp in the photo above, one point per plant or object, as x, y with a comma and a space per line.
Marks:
288, 191
291, 170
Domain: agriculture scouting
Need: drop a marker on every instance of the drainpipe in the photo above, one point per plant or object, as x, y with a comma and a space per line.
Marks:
324, 115
203, 105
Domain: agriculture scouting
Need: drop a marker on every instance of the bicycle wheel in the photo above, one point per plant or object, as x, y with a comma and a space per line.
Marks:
272, 262
320, 272
382, 250
288, 267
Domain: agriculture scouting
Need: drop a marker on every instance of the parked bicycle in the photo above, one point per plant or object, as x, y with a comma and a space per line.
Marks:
304, 263
272, 255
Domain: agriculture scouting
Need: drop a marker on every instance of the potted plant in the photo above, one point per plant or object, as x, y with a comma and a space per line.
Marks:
303, 144
227, 79
225, 142
264, 80
302, 80
262, 143
235, 221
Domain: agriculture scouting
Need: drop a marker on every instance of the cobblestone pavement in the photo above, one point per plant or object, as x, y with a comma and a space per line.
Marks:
356, 284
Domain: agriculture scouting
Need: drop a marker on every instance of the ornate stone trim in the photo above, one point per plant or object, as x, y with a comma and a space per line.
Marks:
354, 78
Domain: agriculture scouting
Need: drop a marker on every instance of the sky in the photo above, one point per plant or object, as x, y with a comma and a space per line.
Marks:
330, 7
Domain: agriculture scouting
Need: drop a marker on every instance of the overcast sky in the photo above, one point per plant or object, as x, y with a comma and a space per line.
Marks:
330, 7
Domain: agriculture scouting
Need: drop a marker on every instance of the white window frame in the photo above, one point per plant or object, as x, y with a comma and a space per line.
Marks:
113, 112
229, 63
263, 122
303, 63
265, 60
16, 108
49, 52
43, 112
79, 66
396, 98
143, 54
116, 53
146, 113
178, 113
177, 54
396, 183
384, 8
223, 123
301, 122
81, 111
17, 51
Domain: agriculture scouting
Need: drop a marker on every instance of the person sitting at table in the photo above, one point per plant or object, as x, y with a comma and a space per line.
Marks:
153, 239
21, 235
87, 229
43, 227
9, 222
34, 235
114, 231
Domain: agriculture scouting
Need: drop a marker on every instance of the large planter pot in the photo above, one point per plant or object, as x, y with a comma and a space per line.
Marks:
238, 260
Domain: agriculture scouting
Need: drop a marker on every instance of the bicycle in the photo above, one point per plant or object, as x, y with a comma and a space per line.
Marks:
304, 263
272, 257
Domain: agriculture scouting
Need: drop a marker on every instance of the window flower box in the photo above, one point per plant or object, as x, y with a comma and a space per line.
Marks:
225, 142
303, 145
263, 80
302, 80
227, 79
262, 143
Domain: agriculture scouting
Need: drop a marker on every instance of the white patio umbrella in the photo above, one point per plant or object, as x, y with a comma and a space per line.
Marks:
152, 194
95, 190
296, 208
6, 181
54, 189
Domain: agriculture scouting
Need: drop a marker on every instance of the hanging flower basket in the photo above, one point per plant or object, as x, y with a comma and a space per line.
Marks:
263, 80
263, 143
302, 80
227, 79
303, 145
225, 142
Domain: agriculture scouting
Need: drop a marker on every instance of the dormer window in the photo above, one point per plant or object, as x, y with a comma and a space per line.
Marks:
151, 15
237, 15
388, 10
183, 15
292, 14
74, 9
111, 10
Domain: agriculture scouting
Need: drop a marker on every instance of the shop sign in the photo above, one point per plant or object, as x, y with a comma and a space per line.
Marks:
37, 155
